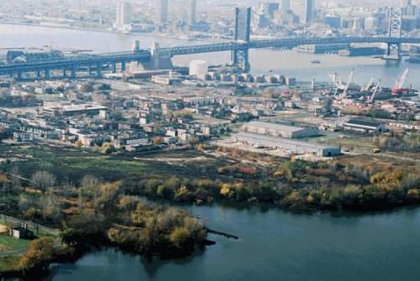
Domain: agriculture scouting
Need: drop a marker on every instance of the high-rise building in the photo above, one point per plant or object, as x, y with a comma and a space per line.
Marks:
309, 12
405, 3
124, 13
161, 12
285, 6
268, 9
243, 24
192, 12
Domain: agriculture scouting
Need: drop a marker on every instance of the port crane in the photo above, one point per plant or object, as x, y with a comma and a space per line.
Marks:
399, 86
344, 88
368, 86
375, 91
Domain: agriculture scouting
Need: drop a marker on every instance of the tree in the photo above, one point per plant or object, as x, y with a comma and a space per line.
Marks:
78, 144
179, 236
91, 185
107, 148
43, 180
15, 178
51, 207
157, 141
109, 194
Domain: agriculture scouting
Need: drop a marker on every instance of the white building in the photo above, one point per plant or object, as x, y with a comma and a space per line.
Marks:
364, 126
278, 130
287, 146
124, 13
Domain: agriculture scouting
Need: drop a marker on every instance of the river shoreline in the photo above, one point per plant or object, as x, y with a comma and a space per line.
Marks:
101, 31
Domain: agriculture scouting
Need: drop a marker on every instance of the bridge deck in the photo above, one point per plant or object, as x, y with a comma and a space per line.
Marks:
145, 55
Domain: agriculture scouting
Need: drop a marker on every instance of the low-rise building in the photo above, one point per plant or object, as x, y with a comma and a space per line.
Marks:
278, 130
364, 126
290, 147
21, 232
20, 136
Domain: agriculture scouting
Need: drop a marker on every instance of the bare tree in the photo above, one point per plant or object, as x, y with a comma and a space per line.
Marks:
15, 178
43, 180
91, 185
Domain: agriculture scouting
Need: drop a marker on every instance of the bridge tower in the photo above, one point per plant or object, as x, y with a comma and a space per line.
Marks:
161, 59
240, 56
394, 31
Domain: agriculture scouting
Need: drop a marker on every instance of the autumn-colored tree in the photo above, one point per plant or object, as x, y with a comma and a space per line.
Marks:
157, 140
179, 236
78, 144
38, 255
107, 148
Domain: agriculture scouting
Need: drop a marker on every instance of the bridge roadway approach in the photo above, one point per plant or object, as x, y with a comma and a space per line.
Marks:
160, 58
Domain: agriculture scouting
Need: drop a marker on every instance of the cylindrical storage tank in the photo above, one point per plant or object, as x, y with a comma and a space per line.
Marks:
198, 68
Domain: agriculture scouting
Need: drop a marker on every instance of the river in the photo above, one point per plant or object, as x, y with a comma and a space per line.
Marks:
273, 245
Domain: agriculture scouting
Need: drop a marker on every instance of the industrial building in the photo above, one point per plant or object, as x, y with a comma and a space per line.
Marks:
364, 126
278, 130
75, 109
291, 147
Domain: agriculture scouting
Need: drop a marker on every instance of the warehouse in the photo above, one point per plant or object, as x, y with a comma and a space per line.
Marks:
278, 130
286, 145
72, 110
364, 126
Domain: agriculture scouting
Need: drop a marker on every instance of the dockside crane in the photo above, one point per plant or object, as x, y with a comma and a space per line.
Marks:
375, 91
399, 86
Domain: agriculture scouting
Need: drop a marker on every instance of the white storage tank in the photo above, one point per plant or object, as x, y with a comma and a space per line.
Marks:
198, 68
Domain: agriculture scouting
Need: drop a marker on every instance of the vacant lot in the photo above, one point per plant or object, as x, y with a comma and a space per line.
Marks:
70, 163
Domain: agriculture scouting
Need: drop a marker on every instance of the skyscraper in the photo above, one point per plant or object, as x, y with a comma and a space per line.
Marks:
268, 9
124, 13
161, 12
192, 12
285, 6
309, 11
405, 3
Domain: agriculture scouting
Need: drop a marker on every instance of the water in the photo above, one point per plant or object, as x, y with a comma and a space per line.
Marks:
274, 245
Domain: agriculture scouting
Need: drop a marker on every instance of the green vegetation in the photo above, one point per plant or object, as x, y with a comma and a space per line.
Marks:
38, 256
8, 243
93, 215
234, 177
104, 210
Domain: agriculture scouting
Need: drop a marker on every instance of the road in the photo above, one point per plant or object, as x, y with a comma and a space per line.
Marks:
32, 225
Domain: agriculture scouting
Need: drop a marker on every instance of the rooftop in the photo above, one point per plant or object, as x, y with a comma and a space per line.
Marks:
360, 122
284, 141
274, 126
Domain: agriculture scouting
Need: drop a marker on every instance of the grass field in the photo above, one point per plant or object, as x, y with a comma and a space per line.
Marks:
12, 244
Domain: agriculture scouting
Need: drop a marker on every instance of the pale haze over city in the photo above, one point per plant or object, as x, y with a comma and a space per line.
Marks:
209, 140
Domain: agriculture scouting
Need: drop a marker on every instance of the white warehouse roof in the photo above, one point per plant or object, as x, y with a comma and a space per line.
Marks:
274, 126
